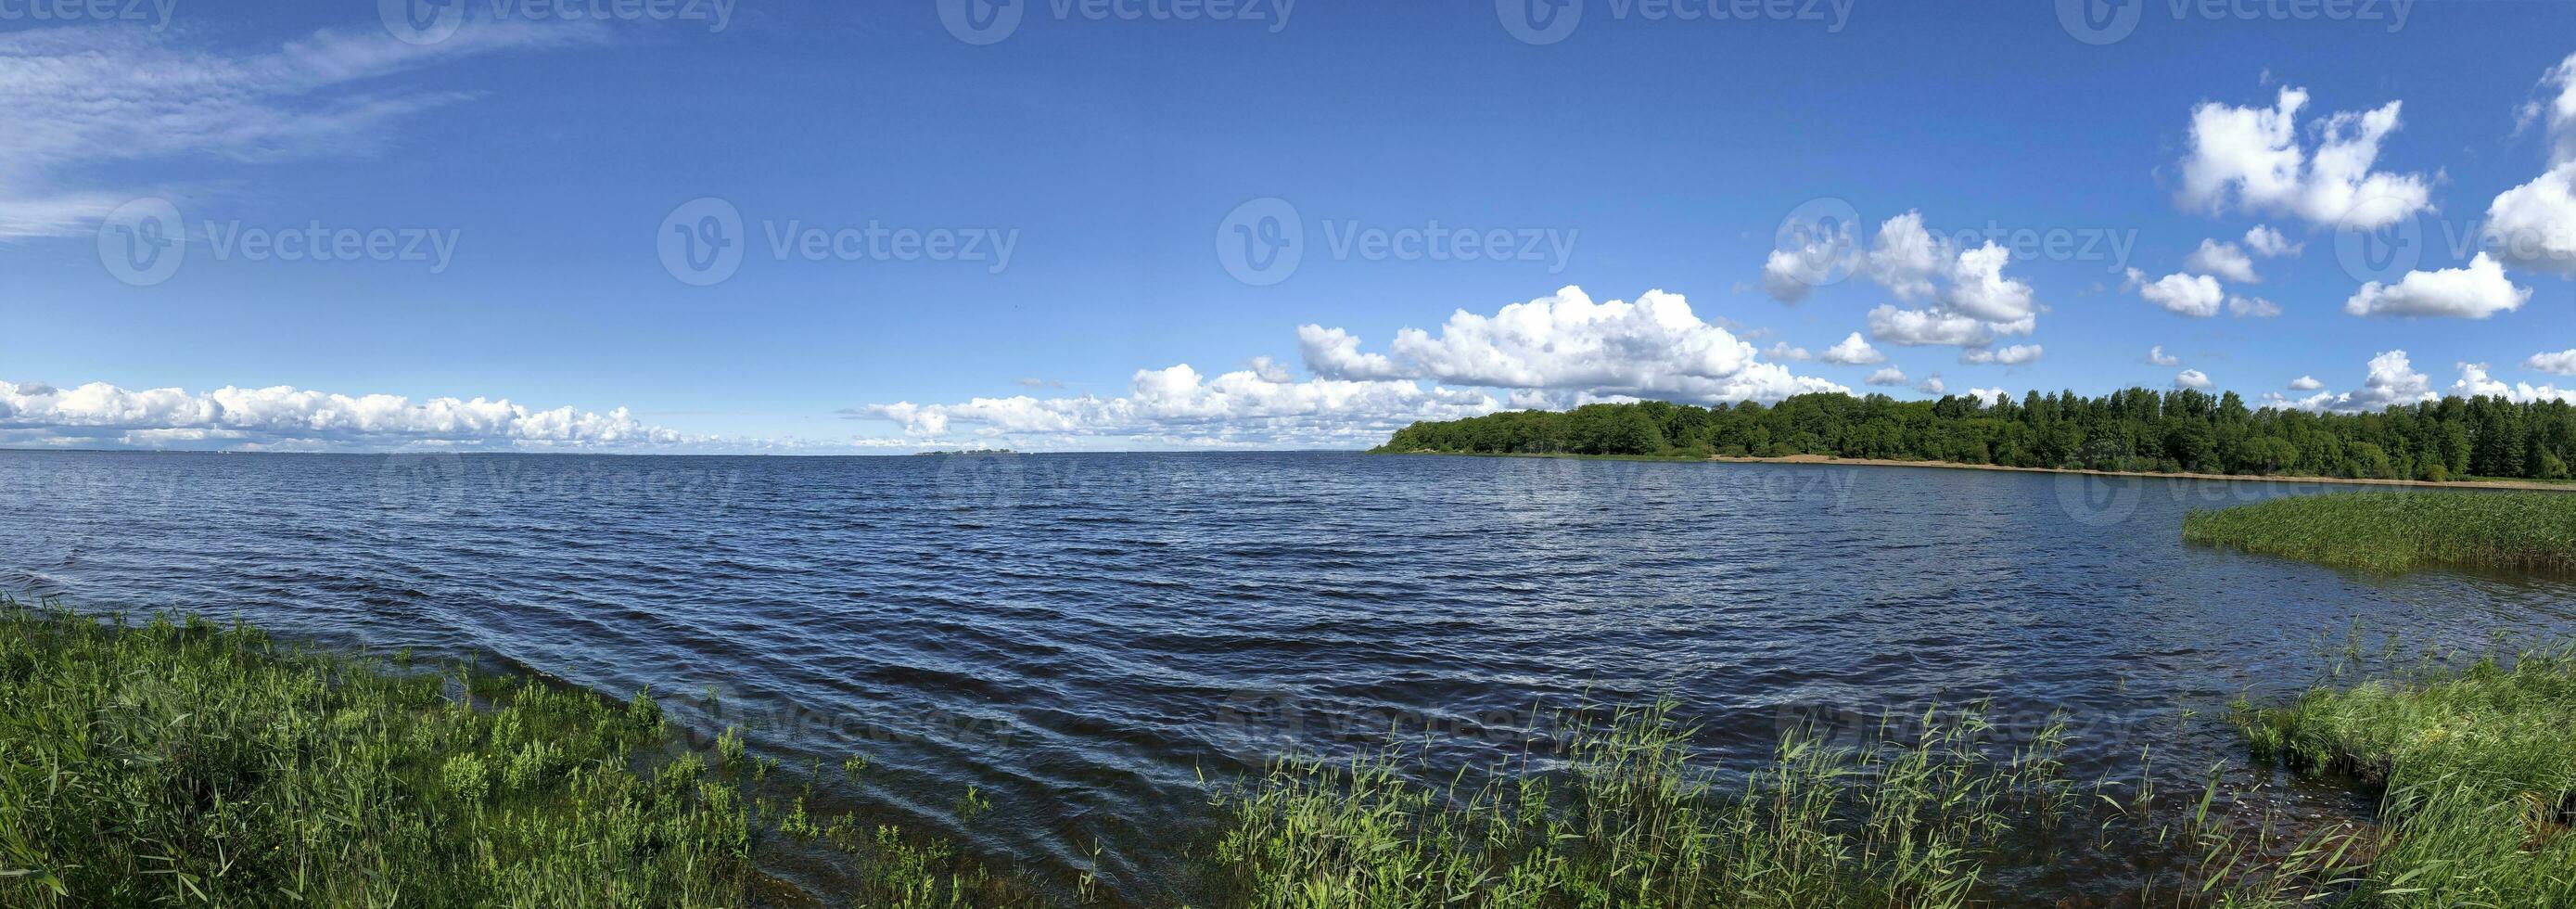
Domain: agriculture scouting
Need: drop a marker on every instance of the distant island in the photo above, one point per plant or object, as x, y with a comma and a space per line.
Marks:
2135, 430
969, 451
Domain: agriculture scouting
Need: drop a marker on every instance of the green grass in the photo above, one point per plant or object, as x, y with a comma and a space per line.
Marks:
2402, 531
2478, 770
179, 762
1632, 819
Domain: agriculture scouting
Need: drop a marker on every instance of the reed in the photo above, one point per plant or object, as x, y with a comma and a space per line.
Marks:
2402, 531
2477, 766
177, 761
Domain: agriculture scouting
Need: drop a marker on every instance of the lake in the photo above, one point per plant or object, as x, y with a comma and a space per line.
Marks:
1080, 637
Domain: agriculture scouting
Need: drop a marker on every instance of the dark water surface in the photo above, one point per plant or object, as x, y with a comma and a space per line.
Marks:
1079, 636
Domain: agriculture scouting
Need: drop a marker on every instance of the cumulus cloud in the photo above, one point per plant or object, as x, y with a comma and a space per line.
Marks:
2474, 382
1855, 351
2015, 355
1782, 350
2392, 381
1177, 404
2157, 356
2474, 292
1556, 351
1335, 354
2269, 243
1979, 289
2533, 225
2560, 363
1788, 275
2306, 383
1927, 327
1906, 257
2251, 307
80, 97
2225, 260
2198, 296
2251, 159
1889, 376
1932, 385
100, 414
2192, 379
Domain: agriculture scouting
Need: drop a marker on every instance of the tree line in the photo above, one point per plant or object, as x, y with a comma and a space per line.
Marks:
2135, 429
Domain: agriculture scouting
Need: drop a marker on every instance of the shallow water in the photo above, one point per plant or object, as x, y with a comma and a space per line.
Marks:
1080, 636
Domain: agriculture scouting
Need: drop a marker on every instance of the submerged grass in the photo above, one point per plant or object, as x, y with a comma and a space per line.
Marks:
2478, 770
181, 762
2402, 531
1629, 819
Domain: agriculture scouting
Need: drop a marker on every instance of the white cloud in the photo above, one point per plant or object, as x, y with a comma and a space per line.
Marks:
2157, 356
2392, 381
2192, 379
2015, 355
99, 414
2306, 383
1927, 327
2251, 307
1177, 404
2474, 292
1557, 351
1932, 385
2269, 243
1788, 275
1854, 351
1781, 350
2561, 363
81, 97
2561, 79
1980, 290
2198, 296
1335, 354
1990, 395
1655, 347
2474, 381
1906, 257
2534, 225
1887, 376
2251, 159
2225, 260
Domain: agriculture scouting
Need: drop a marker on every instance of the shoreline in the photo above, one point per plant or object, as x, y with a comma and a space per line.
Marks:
1811, 459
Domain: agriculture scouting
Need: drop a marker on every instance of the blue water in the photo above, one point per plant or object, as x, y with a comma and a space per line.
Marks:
1081, 636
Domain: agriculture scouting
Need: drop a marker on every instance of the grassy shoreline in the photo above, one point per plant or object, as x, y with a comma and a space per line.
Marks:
179, 761
2528, 485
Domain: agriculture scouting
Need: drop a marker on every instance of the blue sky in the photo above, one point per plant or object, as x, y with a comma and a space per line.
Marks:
506, 193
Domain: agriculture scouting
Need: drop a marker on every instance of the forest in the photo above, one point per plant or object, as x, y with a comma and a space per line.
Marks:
2137, 429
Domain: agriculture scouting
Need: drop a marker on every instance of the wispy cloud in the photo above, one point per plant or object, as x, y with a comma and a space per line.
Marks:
80, 97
